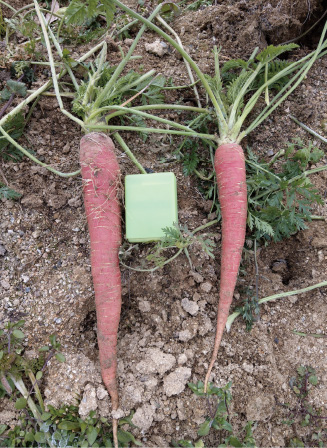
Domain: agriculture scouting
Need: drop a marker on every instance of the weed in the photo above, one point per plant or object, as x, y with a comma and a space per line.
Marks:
177, 237
218, 402
305, 414
41, 427
8, 193
2, 24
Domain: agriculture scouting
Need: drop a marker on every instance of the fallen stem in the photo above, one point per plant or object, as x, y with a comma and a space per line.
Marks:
311, 131
129, 153
30, 156
281, 295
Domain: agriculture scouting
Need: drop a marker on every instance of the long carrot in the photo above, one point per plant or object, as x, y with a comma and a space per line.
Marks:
231, 181
101, 178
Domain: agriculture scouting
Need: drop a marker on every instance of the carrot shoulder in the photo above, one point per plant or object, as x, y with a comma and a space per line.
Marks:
101, 177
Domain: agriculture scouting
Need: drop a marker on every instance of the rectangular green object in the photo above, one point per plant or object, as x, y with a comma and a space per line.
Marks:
150, 205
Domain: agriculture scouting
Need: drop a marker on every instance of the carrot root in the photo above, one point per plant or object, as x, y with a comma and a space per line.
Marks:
231, 181
101, 178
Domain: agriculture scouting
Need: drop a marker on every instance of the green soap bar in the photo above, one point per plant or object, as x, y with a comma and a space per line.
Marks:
150, 205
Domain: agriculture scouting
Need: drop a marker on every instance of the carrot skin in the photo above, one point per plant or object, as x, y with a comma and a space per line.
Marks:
231, 181
101, 177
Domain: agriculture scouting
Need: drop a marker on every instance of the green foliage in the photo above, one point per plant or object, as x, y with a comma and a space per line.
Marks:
280, 200
280, 204
13, 87
249, 309
64, 427
272, 52
198, 4
131, 85
179, 237
14, 126
79, 11
218, 402
235, 74
8, 193
11, 347
2, 24
305, 413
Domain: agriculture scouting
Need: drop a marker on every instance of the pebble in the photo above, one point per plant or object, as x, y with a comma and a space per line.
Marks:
5, 284
184, 335
206, 286
175, 382
58, 320
25, 278
190, 307
157, 47
182, 359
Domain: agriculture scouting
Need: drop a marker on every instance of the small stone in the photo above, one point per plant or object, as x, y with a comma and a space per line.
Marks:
32, 200
206, 287
5, 284
197, 277
25, 278
319, 242
3, 250
270, 152
176, 381
36, 234
157, 47
182, 359
279, 266
57, 201
75, 202
247, 367
66, 148
144, 306
119, 413
184, 335
101, 393
143, 417
190, 307
260, 407
89, 402
58, 320
293, 299
128, 41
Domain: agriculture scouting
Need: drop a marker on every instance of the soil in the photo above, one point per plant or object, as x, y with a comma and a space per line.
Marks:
168, 316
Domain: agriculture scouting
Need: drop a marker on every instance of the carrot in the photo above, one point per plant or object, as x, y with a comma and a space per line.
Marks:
100, 174
231, 181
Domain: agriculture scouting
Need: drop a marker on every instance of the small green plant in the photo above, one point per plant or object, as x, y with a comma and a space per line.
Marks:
8, 193
218, 402
2, 24
66, 428
178, 237
41, 427
304, 413
280, 201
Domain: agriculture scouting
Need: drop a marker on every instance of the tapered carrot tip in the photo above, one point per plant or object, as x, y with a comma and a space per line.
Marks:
231, 182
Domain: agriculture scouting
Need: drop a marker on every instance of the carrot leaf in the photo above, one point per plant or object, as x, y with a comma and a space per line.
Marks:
272, 52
